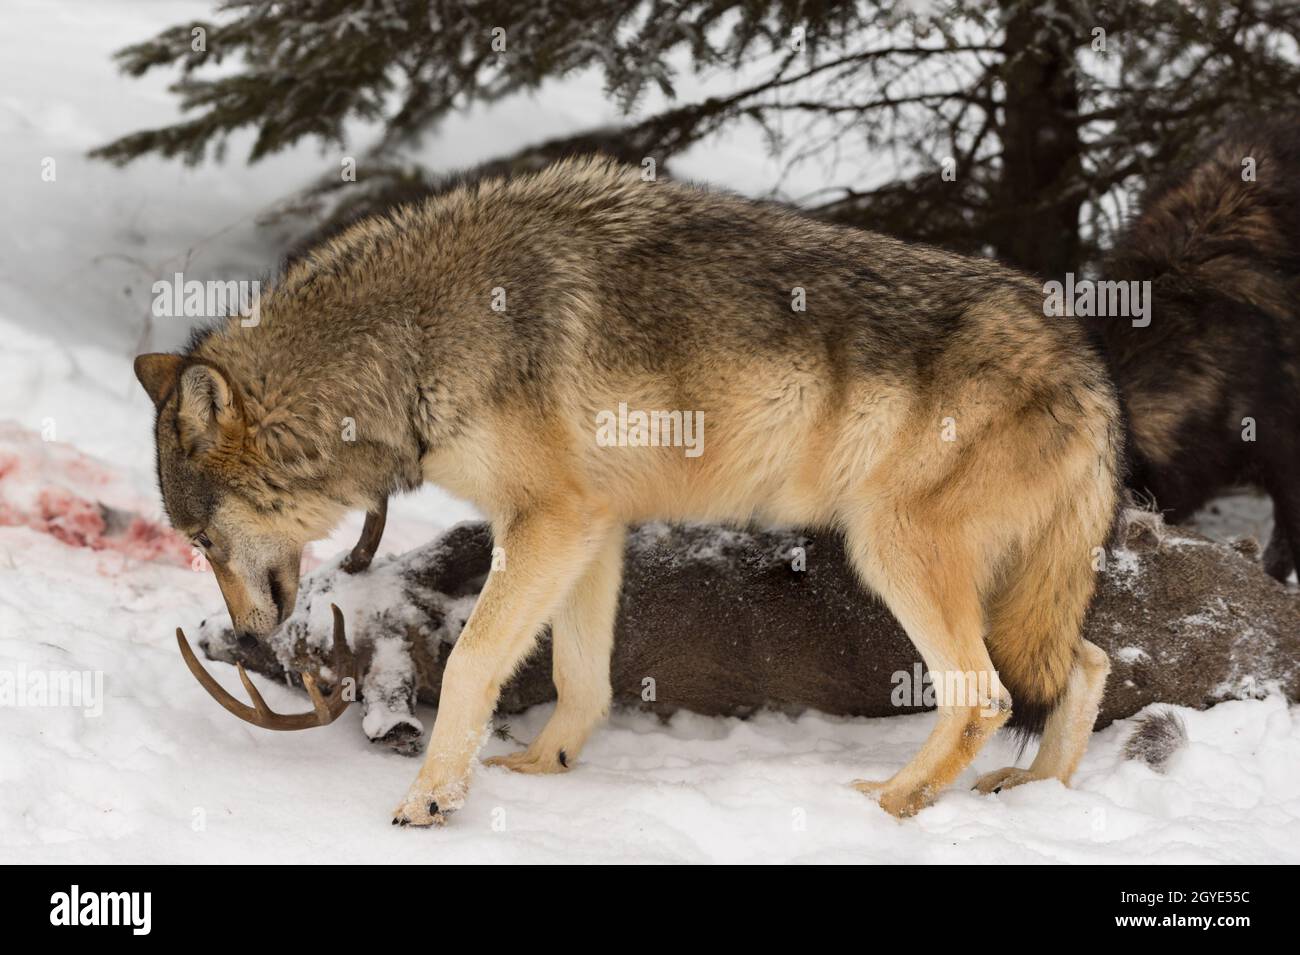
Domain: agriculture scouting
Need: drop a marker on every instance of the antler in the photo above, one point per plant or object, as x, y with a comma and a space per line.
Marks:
371, 533
327, 708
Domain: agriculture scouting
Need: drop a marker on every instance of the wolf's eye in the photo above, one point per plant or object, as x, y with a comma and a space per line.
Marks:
203, 541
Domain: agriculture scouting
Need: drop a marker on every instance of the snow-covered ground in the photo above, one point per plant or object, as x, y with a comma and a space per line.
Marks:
153, 771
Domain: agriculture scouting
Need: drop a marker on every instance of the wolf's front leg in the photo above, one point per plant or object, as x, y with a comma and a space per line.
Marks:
582, 638
541, 554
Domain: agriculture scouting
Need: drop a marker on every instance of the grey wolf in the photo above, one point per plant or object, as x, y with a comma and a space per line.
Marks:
918, 402
1211, 386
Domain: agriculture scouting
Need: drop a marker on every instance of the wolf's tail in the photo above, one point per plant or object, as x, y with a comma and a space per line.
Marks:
1230, 220
1035, 619
1034, 625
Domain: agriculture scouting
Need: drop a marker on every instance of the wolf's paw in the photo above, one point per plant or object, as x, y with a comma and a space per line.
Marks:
896, 801
1005, 778
527, 761
425, 807
419, 814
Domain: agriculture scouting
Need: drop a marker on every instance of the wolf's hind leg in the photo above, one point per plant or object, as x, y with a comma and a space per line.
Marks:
1065, 737
1282, 555
1279, 562
936, 599
582, 639
546, 550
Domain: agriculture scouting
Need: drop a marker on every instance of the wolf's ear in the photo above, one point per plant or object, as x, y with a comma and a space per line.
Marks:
157, 373
207, 408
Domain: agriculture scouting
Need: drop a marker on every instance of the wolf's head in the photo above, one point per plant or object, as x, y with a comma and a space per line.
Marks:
221, 489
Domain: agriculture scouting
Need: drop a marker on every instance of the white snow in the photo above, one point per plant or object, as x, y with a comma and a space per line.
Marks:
163, 774
1131, 654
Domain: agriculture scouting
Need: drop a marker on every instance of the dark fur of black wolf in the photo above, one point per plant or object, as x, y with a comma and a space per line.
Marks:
1223, 256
